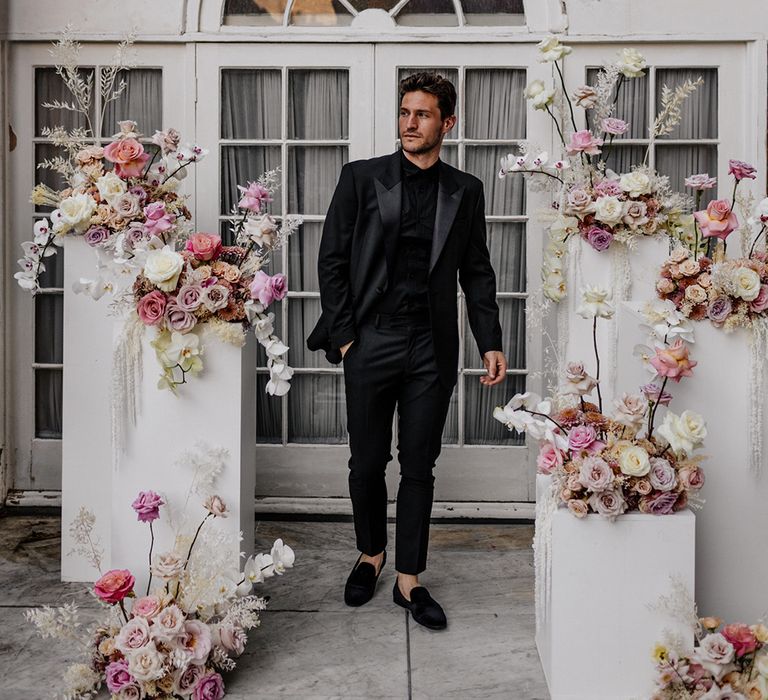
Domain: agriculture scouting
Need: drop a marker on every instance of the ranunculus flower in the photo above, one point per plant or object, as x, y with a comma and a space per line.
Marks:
114, 586
595, 303
630, 410
634, 461
549, 458
760, 302
636, 183
128, 156
673, 361
158, 220
662, 476
742, 638
741, 170
612, 125
631, 63
692, 477
151, 308
146, 607
253, 197
147, 506
595, 474
702, 181
178, 319
608, 503
662, 503
167, 566
599, 238
717, 220
118, 676
216, 507
133, 635
584, 141
583, 438
163, 268
719, 310
209, 687
96, 235
204, 246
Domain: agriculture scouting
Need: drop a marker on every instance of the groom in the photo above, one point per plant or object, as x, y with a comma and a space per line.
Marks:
398, 230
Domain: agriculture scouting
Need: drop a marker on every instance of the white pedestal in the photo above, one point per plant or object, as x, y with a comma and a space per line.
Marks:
598, 632
217, 408
86, 442
730, 530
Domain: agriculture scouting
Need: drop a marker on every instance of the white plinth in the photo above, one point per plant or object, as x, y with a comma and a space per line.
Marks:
597, 633
216, 407
86, 427
730, 530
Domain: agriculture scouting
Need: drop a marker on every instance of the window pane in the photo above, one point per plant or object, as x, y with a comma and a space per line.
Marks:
317, 409
240, 164
318, 104
480, 428
269, 413
428, 13
47, 151
48, 398
679, 162
254, 12
512, 319
320, 13
632, 105
451, 428
312, 175
620, 159
502, 197
495, 106
303, 250
258, 116
54, 270
699, 110
493, 12
450, 154
302, 317
506, 244
49, 87
451, 74
141, 101
49, 324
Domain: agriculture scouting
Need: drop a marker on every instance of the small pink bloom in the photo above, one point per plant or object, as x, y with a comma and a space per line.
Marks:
151, 308
549, 459
741, 170
128, 156
760, 302
209, 687
253, 196
146, 607
158, 219
717, 220
653, 393
204, 246
266, 289
702, 181
584, 142
147, 506
614, 126
583, 438
742, 638
114, 586
279, 286
118, 676
608, 188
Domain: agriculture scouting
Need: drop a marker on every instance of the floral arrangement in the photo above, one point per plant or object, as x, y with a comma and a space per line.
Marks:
177, 638
590, 201
728, 661
610, 462
699, 279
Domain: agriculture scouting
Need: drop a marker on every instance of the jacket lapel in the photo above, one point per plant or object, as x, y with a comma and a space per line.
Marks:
449, 196
389, 192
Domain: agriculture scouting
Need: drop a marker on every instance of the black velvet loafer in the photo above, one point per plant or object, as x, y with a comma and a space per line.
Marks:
424, 608
361, 583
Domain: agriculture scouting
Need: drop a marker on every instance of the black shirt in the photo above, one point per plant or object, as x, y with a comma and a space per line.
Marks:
408, 291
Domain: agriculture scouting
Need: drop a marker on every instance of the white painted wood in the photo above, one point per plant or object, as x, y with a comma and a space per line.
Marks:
606, 578
6, 475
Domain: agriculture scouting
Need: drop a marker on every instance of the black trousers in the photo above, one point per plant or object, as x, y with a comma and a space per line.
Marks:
392, 364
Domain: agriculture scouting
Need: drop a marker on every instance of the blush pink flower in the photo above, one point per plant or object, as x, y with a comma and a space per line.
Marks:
204, 246
614, 126
741, 170
717, 220
114, 586
742, 638
209, 687
128, 156
584, 141
118, 676
673, 362
253, 197
158, 220
549, 458
583, 438
147, 506
266, 289
151, 308
146, 607
760, 302
608, 188
599, 238
700, 181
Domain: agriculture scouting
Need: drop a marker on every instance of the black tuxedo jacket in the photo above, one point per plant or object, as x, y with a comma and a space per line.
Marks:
357, 257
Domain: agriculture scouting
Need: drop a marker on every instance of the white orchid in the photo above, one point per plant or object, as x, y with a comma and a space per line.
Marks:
183, 350
94, 288
282, 556
279, 377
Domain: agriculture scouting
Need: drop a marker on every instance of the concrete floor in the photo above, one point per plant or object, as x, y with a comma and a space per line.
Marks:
310, 646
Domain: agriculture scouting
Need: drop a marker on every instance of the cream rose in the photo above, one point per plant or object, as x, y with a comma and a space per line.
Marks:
168, 623
746, 281
635, 183
538, 94
696, 294
634, 461
690, 268
595, 301
167, 566
77, 210
110, 186
684, 432
631, 63
630, 410
609, 210
163, 268
146, 664
552, 50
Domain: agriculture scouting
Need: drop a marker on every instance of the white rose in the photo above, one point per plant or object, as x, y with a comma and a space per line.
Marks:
533, 89
609, 210
538, 94
552, 50
631, 63
167, 566
634, 461
747, 283
110, 186
146, 664
163, 268
595, 302
635, 183
77, 210
684, 432
261, 230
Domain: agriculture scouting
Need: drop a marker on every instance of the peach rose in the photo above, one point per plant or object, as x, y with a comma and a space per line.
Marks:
204, 246
128, 156
114, 586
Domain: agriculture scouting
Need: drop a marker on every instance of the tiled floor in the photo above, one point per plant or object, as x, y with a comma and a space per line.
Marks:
310, 646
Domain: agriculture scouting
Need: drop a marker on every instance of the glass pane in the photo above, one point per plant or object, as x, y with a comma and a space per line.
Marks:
493, 12
502, 197
679, 162
621, 158
257, 117
141, 101
428, 13
451, 428
54, 270
699, 110
317, 409
312, 175
303, 249
269, 413
450, 154
318, 104
240, 164
320, 13
512, 319
479, 426
48, 397
254, 12
49, 87
495, 106
506, 244
49, 328
47, 151
302, 317
451, 74
632, 105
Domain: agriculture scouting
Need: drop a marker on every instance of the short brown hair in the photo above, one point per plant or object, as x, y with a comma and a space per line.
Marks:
434, 84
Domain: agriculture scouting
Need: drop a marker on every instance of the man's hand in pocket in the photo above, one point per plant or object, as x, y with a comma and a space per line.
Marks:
344, 348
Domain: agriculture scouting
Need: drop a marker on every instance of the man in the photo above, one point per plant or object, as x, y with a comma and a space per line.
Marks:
398, 230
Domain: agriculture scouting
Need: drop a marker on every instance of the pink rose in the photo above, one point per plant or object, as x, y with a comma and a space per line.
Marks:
158, 220
580, 201
232, 637
177, 319
195, 639
187, 681
261, 288
741, 170
584, 142
717, 220
216, 507
209, 687
151, 308
128, 156
253, 197
608, 503
189, 297
118, 676
147, 506
204, 246
692, 478
583, 438
742, 638
673, 361
599, 238
114, 586
760, 302
595, 474
578, 507
608, 188
133, 635
549, 459
614, 126
279, 286
702, 181
146, 607
659, 503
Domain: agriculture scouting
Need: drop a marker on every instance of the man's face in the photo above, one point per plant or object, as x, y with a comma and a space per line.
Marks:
420, 124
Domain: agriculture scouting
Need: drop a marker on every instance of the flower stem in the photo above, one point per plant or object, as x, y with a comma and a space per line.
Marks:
549, 418
699, 194
557, 126
565, 95
656, 408
597, 359
757, 238
151, 547
122, 608
189, 552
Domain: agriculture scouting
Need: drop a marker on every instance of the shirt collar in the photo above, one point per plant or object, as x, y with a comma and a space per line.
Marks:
412, 170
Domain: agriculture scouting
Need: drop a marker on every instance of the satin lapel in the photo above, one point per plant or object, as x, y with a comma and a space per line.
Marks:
448, 201
389, 208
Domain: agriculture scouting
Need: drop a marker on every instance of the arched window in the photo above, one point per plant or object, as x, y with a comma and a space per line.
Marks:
341, 13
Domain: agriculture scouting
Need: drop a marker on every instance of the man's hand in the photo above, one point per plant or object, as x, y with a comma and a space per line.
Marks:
496, 364
344, 348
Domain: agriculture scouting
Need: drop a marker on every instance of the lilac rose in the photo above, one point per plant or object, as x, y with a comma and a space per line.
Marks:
662, 503
608, 503
608, 188
719, 310
147, 506
654, 393
96, 235
189, 297
210, 687
178, 319
599, 238
118, 676
662, 476
187, 680
595, 474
